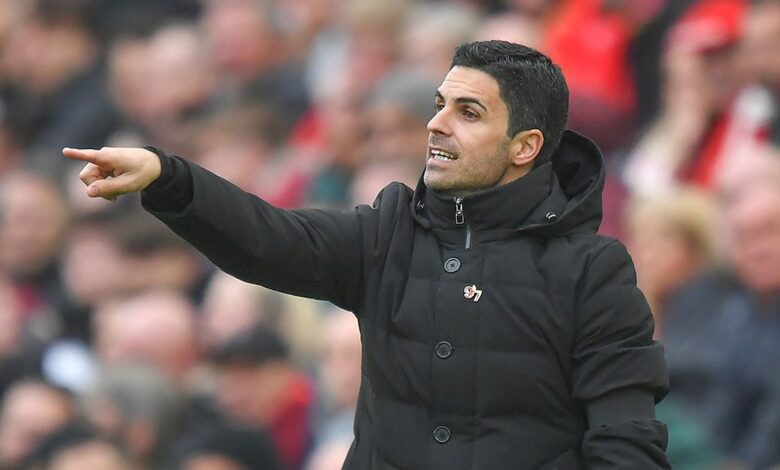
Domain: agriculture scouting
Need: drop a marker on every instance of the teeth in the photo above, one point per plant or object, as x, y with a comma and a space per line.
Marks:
441, 155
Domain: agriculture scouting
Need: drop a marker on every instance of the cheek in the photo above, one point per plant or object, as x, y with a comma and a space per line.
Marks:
485, 151
479, 137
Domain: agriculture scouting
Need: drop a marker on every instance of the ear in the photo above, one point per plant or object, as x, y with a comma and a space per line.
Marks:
525, 146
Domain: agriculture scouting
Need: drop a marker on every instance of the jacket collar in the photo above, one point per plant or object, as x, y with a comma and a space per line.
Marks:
507, 206
557, 198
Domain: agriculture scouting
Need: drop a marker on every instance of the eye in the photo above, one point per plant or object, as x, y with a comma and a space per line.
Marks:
438, 106
470, 115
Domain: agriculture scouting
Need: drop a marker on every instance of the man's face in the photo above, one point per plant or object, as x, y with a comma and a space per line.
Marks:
250, 393
29, 413
748, 199
470, 128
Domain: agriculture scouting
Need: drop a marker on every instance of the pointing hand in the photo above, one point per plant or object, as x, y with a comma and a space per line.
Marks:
111, 172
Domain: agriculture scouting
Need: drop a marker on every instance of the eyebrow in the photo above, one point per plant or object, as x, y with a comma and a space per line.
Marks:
463, 100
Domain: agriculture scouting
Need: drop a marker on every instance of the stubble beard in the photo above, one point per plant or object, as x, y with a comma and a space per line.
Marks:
467, 182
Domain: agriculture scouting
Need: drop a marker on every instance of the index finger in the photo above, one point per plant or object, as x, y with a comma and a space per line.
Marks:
85, 155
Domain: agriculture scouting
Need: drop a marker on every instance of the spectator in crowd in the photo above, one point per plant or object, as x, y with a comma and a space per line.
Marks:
340, 375
33, 223
248, 44
128, 71
11, 145
156, 258
258, 386
58, 95
374, 29
136, 406
228, 447
155, 327
237, 144
338, 134
77, 447
31, 410
696, 131
653, 21
429, 54
721, 330
590, 40
232, 307
151, 256
305, 22
244, 145
119, 252
94, 265
149, 86
372, 33
671, 238
397, 111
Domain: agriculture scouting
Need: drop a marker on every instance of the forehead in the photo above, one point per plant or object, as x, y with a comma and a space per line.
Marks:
463, 82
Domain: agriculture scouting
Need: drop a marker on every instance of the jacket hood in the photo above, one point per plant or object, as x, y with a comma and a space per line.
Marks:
559, 197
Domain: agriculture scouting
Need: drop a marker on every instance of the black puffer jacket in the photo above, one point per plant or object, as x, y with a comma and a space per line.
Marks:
499, 332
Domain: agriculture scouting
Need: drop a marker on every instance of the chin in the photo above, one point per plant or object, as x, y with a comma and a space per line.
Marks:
435, 185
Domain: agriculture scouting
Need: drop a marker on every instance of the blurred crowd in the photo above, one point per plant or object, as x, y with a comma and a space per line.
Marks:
122, 348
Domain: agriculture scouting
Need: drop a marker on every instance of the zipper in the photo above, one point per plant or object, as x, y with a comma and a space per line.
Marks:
460, 219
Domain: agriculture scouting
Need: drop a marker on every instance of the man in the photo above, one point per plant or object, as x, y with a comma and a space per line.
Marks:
52, 64
722, 328
498, 330
136, 405
258, 385
31, 409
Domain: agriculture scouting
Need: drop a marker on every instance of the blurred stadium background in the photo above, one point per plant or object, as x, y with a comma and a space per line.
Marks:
120, 347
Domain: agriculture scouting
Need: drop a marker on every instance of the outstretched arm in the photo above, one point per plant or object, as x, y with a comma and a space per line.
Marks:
311, 253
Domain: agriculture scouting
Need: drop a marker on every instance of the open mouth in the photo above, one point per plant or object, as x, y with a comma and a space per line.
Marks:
442, 156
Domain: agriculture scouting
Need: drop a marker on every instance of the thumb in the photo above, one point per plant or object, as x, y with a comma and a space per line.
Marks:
107, 188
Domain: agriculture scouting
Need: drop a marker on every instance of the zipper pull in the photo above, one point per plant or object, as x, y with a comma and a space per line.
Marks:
459, 218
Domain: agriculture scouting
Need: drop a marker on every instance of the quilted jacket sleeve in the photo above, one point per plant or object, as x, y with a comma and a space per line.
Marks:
310, 253
619, 371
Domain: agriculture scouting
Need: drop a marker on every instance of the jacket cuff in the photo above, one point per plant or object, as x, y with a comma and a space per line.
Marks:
172, 190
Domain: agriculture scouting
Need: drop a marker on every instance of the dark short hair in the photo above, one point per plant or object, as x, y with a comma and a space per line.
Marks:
71, 435
83, 14
252, 448
254, 347
531, 85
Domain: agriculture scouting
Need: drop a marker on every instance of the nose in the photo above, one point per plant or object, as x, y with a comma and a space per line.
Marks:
438, 123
